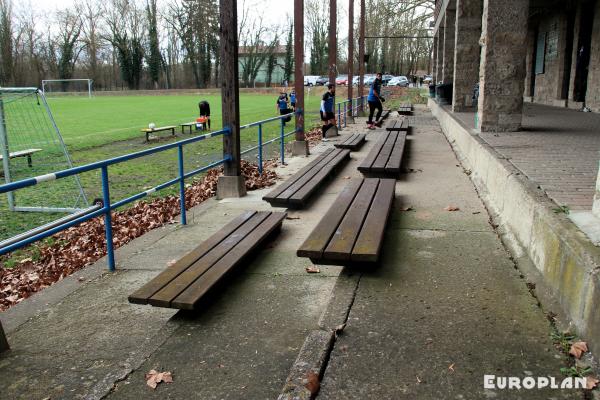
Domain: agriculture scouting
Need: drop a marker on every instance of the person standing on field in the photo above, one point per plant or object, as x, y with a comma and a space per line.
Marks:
293, 100
375, 101
327, 108
205, 111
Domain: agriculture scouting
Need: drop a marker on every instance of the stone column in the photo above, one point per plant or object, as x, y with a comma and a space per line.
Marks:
466, 52
448, 63
502, 67
596, 206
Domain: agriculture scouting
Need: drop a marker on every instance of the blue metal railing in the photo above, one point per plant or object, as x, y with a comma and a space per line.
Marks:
106, 207
349, 106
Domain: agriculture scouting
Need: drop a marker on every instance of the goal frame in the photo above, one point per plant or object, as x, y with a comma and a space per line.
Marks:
89, 82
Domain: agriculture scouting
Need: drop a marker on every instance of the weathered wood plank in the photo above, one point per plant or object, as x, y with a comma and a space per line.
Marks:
384, 154
341, 243
163, 297
365, 166
298, 175
318, 239
142, 295
190, 296
299, 198
369, 242
395, 160
354, 142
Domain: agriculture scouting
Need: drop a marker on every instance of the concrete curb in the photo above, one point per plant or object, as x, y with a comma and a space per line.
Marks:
567, 261
314, 354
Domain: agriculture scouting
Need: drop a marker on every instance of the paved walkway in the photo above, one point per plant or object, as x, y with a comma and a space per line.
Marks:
445, 307
559, 149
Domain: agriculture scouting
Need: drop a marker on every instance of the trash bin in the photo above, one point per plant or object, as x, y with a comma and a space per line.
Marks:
443, 93
432, 91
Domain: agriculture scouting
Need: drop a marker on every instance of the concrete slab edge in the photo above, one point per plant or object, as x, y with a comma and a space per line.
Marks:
314, 354
565, 260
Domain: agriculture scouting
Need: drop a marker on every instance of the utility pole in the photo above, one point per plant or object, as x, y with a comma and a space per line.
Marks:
332, 41
300, 146
232, 183
350, 50
361, 53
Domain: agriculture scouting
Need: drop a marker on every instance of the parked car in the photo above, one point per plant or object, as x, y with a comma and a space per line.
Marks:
341, 80
427, 79
399, 81
322, 80
369, 79
385, 79
310, 80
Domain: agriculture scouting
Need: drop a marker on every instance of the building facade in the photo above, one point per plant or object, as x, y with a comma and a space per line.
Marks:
543, 51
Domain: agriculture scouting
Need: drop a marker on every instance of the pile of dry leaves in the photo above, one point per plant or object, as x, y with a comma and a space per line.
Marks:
313, 136
76, 247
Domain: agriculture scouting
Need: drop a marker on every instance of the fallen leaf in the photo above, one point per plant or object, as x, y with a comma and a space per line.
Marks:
313, 270
451, 367
408, 208
153, 378
451, 208
171, 263
340, 328
577, 349
292, 217
347, 177
419, 379
312, 382
81, 279
591, 383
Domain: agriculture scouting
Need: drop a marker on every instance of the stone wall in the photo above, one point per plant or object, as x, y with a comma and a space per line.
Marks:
592, 98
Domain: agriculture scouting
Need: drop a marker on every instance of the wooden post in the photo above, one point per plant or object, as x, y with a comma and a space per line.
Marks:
232, 183
332, 41
3, 341
350, 49
361, 51
300, 146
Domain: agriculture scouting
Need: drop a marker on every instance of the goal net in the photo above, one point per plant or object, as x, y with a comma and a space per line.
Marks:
82, 87
31, 145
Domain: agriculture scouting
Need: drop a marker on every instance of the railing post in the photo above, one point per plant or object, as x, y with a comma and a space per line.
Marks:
260, 150
182, 186
345, 114
282, 141
339, 117
110, 255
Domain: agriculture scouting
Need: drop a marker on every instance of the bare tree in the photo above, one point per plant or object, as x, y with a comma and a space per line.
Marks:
91, 12
6, 42
69, 30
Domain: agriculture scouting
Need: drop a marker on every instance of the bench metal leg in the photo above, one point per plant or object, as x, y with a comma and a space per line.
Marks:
29, 163
3, 342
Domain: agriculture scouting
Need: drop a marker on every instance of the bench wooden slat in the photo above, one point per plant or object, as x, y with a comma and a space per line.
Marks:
142, 295
354, 142
372, 156
301, 196
189, 297
341, 244
316, 242
384, 155
272, 196
369, 242
163, 297
308, 176
395, 160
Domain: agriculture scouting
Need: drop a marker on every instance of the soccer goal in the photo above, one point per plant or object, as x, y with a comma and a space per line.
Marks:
31, 145
65, 86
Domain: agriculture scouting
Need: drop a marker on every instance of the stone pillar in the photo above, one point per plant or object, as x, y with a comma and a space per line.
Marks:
596, 206
448, 62
466, 52
502, 67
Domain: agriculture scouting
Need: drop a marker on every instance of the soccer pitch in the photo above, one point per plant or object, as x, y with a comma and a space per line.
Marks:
105, 126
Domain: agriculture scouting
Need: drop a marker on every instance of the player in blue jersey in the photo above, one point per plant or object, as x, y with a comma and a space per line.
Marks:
327, 108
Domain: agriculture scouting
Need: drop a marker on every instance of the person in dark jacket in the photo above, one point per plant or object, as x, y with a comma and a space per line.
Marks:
205, 111
374, 100
327, 108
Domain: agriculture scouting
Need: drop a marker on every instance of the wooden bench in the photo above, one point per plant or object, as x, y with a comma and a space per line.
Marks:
351, 232
398, 125
183, 284
405, 109
385, 157
191, 125
297, 189
353, 142
23, 153
148, 131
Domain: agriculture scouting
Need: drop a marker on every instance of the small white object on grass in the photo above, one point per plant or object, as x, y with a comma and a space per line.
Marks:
151, 125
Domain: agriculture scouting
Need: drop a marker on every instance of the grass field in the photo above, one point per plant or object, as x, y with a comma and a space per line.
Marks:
107, 126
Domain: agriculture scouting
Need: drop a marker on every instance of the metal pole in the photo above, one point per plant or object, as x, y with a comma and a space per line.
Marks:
5, 154
110, 255
299, 67
350, 48
260, 150
345, 114
182, 185
339, 117
282, 142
